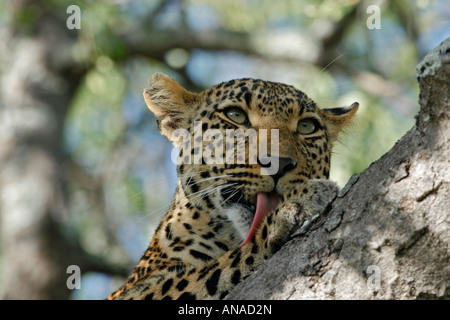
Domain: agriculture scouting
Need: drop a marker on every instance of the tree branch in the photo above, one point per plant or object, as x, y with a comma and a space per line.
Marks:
155, 43
387, 234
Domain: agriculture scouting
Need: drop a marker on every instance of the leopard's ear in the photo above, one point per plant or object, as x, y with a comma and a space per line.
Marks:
337, 119
170, 102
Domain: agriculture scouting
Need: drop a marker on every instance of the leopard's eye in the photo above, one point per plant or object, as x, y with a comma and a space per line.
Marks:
307, 126
237, 115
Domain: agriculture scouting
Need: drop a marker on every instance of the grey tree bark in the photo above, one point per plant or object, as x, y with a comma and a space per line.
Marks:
386, 235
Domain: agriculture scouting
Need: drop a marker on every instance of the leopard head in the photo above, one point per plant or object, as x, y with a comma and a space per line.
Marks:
245, 145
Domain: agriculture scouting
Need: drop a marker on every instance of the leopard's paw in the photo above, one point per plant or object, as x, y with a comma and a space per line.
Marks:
311, 199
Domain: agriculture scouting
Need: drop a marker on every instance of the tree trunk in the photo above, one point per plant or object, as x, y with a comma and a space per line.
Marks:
386, 235
38, 84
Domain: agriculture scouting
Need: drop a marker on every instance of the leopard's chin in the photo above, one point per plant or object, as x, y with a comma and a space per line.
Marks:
239, 198
241, 217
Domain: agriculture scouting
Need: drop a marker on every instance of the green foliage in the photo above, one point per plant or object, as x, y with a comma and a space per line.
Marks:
373, 133
95, 122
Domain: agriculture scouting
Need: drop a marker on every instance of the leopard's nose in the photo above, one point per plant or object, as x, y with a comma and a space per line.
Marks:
284, 165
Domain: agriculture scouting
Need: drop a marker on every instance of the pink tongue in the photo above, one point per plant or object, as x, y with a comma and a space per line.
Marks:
265, 202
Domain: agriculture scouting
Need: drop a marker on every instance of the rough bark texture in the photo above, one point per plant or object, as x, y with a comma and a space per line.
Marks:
390, 223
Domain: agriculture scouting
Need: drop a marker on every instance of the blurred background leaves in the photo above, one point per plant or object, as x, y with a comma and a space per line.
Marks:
114, 171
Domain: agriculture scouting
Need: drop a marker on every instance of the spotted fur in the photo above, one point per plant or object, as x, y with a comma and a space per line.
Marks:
195, 252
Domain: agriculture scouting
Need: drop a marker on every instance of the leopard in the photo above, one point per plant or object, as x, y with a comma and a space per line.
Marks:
228, 217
